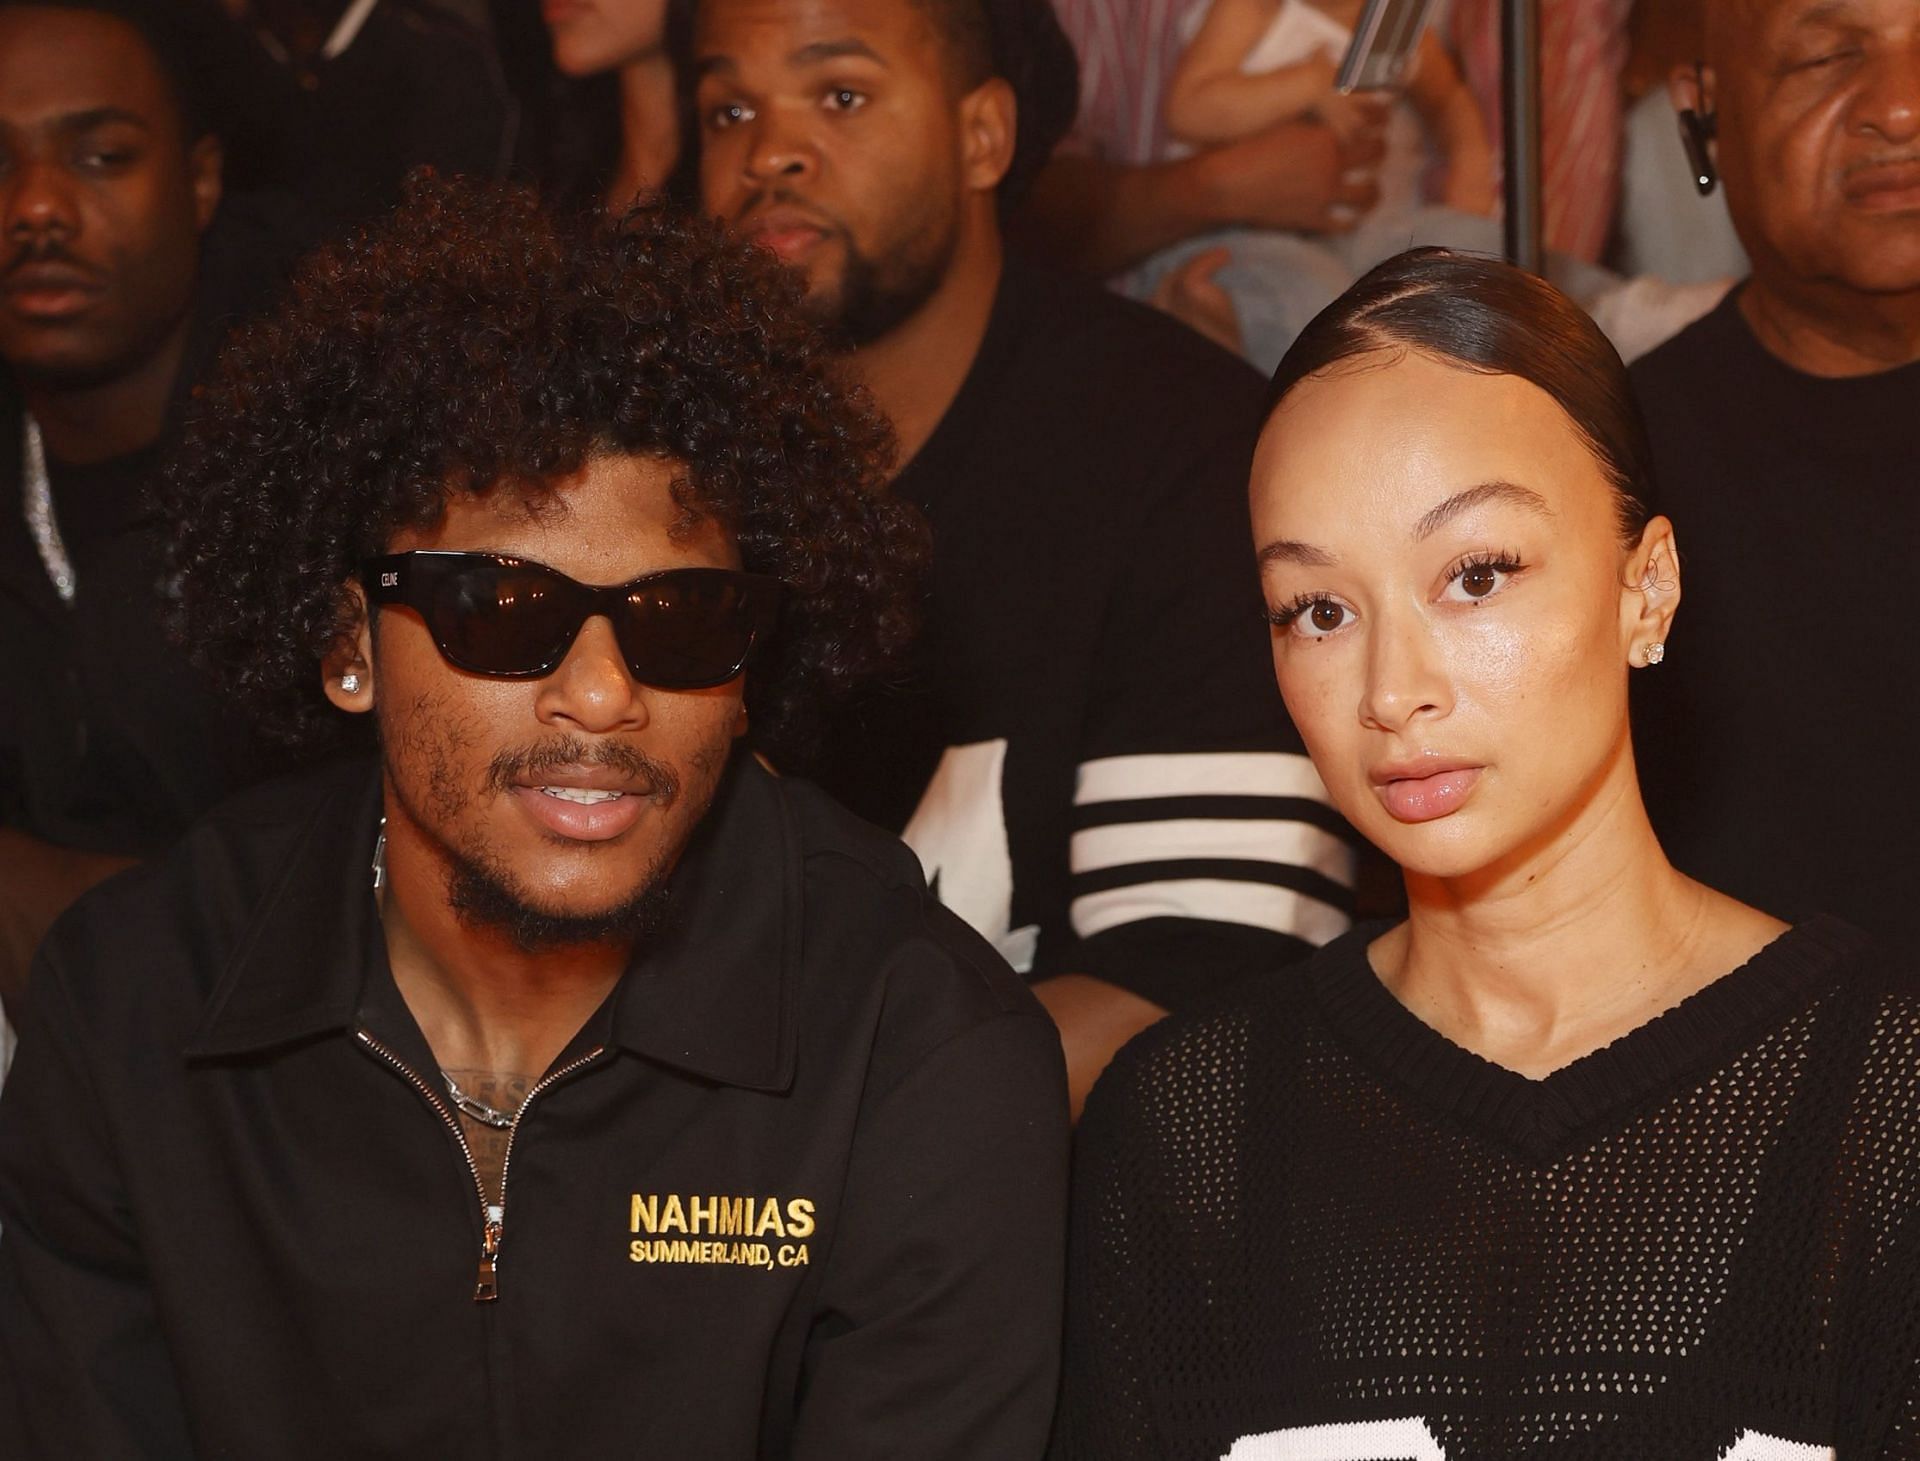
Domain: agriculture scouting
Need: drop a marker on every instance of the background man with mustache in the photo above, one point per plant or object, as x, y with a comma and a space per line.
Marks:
1778, 741
555, 1080
1098, 772
115, 286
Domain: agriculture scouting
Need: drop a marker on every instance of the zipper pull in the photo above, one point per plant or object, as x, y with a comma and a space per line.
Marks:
486, 1286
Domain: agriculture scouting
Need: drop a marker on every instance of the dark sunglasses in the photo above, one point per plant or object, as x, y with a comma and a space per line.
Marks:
683, 629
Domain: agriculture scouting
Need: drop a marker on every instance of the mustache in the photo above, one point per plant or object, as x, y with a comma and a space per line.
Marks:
1906, 157
45, 251
565, 752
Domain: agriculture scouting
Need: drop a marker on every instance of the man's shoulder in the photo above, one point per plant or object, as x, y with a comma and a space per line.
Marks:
1693, 361
163, 930
1127, 355
864, 882
1103, 404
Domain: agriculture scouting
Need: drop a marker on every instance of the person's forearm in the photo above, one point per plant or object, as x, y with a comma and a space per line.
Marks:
1103, 218
1095, 1019
1231, 104
1447, 106
1461, 130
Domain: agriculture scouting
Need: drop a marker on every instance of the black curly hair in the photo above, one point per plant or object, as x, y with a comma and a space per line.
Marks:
473, 343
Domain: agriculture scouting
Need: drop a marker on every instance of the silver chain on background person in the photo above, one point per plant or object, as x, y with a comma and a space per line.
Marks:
38, 488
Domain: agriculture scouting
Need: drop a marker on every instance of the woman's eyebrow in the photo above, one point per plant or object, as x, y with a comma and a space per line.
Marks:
1472, 497
1286, 550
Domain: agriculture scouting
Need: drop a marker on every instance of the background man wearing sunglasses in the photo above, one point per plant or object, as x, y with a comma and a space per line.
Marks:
570, 1084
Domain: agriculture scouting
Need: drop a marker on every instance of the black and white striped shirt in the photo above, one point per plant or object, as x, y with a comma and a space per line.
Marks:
1095, 765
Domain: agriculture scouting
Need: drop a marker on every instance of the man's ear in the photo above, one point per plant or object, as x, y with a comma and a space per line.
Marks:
1691, 89
1650, 592
346, 670
1686, 87
206, 172
988, 122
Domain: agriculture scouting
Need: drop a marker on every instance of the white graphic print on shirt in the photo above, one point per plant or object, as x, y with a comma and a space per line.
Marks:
959, 833
1410, 1440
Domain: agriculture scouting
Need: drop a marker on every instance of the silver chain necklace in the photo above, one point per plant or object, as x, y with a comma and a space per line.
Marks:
40, 520
463, 1103
479, 1110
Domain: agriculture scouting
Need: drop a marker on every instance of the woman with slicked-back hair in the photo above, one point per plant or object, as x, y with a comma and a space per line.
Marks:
1580, 1158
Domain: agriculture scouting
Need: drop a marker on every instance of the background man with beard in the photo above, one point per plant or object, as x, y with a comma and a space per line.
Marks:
110, 175
1098, 772
1785, 429
565, 1083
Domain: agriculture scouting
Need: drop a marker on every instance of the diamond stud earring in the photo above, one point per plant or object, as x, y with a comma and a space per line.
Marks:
1655, 652
350, 683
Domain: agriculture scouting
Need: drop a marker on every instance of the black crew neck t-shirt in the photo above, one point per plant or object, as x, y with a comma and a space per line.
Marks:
1093, 760
1309, 1226
1776, 740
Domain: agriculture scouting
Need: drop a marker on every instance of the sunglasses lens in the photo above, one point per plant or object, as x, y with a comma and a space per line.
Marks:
502, 619
689, 629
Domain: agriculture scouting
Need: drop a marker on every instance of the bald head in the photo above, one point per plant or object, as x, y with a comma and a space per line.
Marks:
1818, 108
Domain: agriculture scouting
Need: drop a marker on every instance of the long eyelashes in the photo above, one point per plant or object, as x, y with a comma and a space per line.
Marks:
1481, 575
1478, 575
1283, 617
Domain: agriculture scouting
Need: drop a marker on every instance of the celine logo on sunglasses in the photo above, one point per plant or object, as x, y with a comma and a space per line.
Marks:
388, 580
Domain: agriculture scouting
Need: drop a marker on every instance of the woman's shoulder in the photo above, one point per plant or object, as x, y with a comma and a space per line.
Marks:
1202, 1058
1854, 966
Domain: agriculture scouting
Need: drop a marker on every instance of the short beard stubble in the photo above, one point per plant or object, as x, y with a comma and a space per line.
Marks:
483, 892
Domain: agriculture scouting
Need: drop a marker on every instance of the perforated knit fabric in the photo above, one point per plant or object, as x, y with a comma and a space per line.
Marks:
1310, 1228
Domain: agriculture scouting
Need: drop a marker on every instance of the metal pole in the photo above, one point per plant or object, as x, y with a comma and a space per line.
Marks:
1520, 119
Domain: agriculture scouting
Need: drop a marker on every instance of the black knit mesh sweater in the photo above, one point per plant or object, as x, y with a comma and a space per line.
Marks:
1310, 1228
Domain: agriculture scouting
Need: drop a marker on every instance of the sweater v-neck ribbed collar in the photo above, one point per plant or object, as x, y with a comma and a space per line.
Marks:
1544, 1119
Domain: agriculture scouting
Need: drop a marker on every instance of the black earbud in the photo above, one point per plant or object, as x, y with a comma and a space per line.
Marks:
1697, 129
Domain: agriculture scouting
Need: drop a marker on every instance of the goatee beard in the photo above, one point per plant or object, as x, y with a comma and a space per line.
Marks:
485, 897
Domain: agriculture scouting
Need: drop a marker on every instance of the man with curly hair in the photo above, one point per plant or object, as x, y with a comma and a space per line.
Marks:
558, 1080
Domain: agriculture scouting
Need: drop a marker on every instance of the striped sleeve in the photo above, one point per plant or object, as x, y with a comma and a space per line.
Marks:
1201, 847
1243, 838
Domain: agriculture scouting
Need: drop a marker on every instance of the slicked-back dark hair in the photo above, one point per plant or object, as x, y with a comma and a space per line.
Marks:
473, 343
1483, 315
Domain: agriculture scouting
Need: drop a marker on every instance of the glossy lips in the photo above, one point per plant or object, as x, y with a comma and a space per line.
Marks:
1423, 791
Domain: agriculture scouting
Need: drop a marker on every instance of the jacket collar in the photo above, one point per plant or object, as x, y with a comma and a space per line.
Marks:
712, 996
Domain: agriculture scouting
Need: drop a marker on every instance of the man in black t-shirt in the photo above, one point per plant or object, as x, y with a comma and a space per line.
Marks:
1786, 443
110, 296
1096, 768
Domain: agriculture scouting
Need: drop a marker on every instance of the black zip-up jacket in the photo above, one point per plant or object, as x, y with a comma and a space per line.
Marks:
796, 1190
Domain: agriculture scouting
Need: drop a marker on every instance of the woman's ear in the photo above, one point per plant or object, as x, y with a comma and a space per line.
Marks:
1650, 594
346, 670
